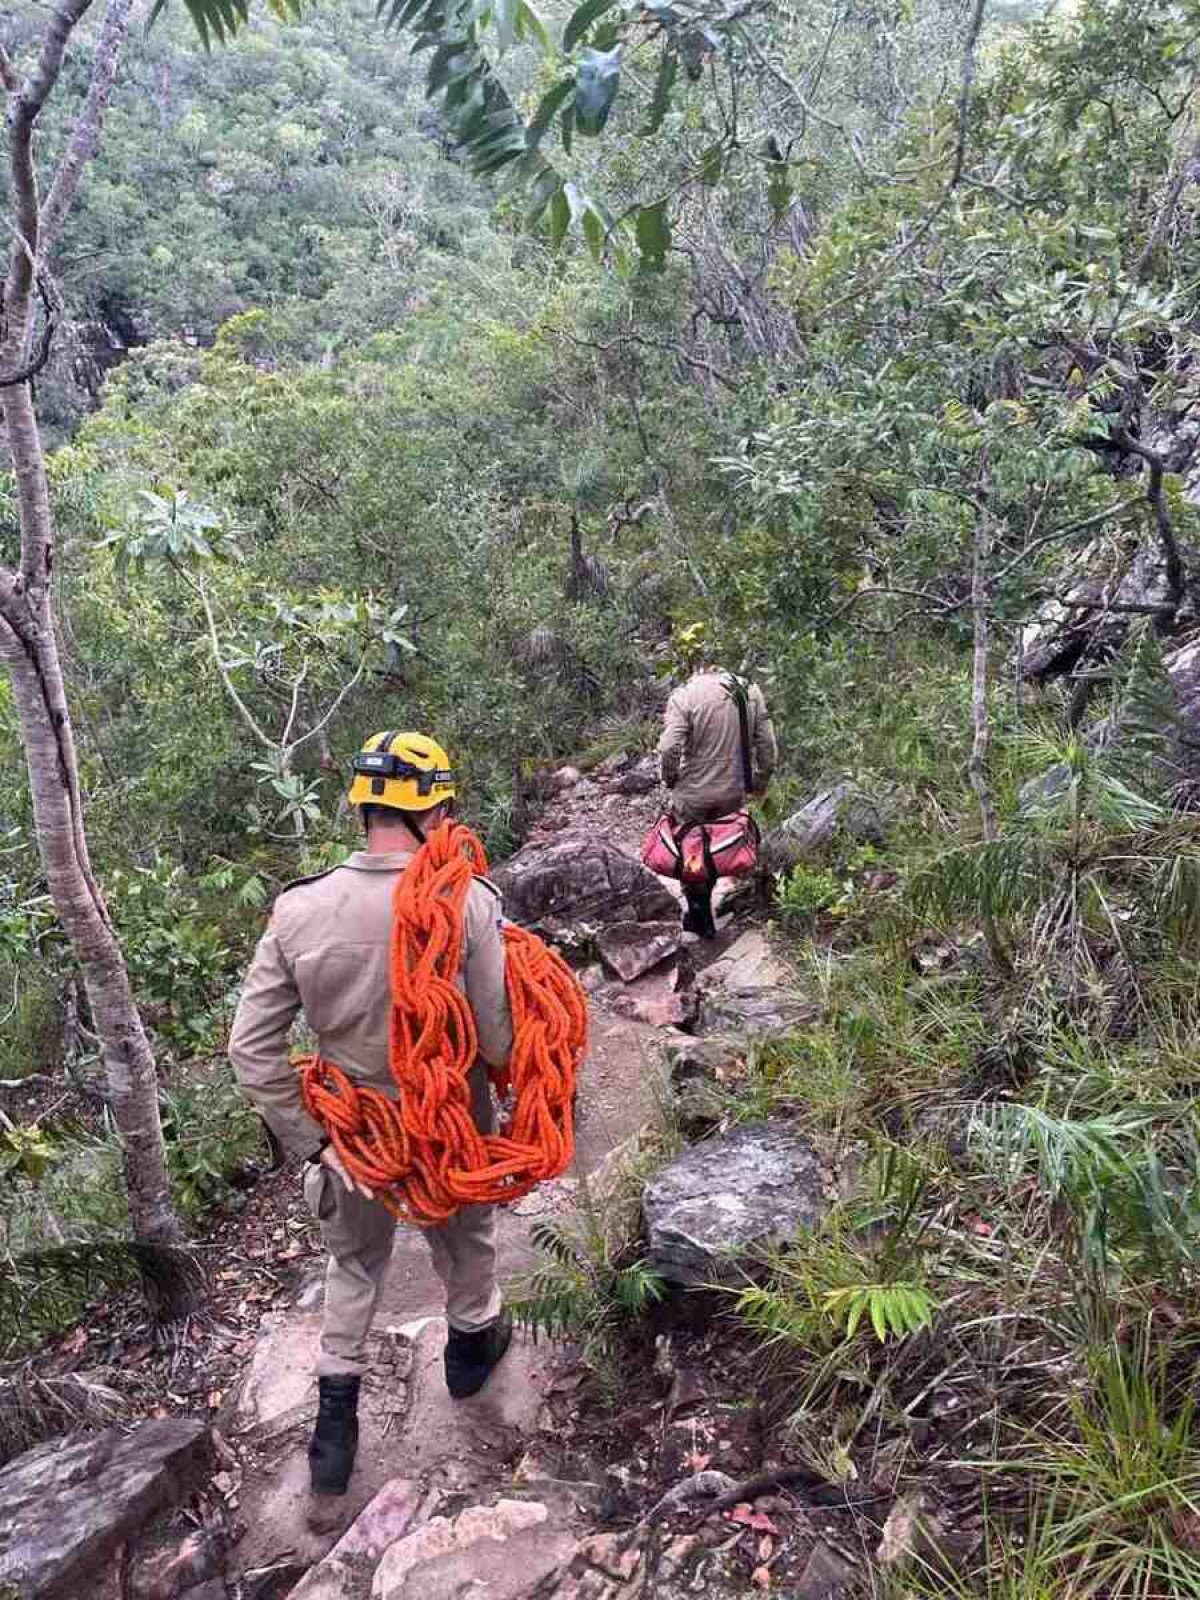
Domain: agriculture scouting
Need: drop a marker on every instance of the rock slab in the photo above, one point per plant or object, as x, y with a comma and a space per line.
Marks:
843, 807
65, 1508
712, 1207
502, 1551
577, 883
633, 948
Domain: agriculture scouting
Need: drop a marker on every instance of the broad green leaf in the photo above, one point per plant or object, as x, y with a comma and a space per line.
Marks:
547, 184
653, 235
594, 232
597, 78
581, 20
668, 71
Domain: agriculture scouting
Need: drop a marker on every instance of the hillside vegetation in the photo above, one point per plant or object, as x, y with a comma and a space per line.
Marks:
892, 389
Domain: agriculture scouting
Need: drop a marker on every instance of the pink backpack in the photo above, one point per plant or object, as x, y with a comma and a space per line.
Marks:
701, 852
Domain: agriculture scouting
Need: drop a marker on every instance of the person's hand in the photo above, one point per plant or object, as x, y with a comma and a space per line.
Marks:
331, 1159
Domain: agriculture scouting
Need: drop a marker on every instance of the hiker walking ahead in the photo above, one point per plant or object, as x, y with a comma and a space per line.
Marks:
326, 951
702, 761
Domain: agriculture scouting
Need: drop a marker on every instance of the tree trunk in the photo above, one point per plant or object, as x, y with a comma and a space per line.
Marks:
29, 649
980, 723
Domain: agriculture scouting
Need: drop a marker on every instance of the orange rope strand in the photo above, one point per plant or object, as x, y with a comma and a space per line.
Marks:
422, 1153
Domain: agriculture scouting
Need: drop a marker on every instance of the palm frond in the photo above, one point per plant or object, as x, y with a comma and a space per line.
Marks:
1000, 880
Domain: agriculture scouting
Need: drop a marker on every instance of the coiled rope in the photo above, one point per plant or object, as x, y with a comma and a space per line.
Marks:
423, 1154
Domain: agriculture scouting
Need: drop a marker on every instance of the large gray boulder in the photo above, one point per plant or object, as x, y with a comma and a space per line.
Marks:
839, 808
1092, 617
577, 884
708, 1211
66, 1508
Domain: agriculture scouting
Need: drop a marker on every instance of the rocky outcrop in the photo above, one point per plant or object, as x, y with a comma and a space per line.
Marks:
571, 887
711, 1208
1091, 618
66, 1508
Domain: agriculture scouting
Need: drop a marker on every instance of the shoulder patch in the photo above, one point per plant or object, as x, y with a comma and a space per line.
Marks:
296, 883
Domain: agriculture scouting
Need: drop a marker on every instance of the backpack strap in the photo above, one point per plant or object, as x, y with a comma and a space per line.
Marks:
737, 690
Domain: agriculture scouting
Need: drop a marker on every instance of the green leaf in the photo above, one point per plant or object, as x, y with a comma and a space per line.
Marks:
712, 165
878, 1317
560, 218
858, 1304
594, 232
568, 128
653, 235
779, 189
597, 78
668, 71
546, 186
547, 110
581, 20
530, 26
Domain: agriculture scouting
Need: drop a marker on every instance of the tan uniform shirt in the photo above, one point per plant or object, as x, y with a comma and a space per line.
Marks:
325, 952
701, 747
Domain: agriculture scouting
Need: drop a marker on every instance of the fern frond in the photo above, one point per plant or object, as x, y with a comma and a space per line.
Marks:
1145, 717
895, 1310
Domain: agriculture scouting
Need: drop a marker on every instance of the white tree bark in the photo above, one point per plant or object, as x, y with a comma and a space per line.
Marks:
980, 719
29, 650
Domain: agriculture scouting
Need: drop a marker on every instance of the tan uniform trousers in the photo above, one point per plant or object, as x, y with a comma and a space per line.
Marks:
358, 1234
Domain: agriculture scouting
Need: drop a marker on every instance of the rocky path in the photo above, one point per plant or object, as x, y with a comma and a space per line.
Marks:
447, 1499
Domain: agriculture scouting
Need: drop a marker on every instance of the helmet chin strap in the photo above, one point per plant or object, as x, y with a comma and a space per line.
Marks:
412, 827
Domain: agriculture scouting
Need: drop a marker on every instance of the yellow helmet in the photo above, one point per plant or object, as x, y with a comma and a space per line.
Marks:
406, 771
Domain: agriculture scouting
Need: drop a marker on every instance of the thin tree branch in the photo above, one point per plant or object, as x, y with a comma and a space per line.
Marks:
1172, 561
85, 135
336, 706
1186, 172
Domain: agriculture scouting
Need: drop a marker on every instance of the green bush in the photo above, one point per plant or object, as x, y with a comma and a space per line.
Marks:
31, 1035
804, 893
212, 1137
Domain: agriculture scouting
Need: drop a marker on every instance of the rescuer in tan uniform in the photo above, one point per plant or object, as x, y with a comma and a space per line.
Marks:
700, 755
326, 952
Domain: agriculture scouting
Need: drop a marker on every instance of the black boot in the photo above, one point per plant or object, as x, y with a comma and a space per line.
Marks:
470, 1357
699, 916
335, 1438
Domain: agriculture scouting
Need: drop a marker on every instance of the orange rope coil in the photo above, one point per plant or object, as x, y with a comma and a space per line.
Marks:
422, 1153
